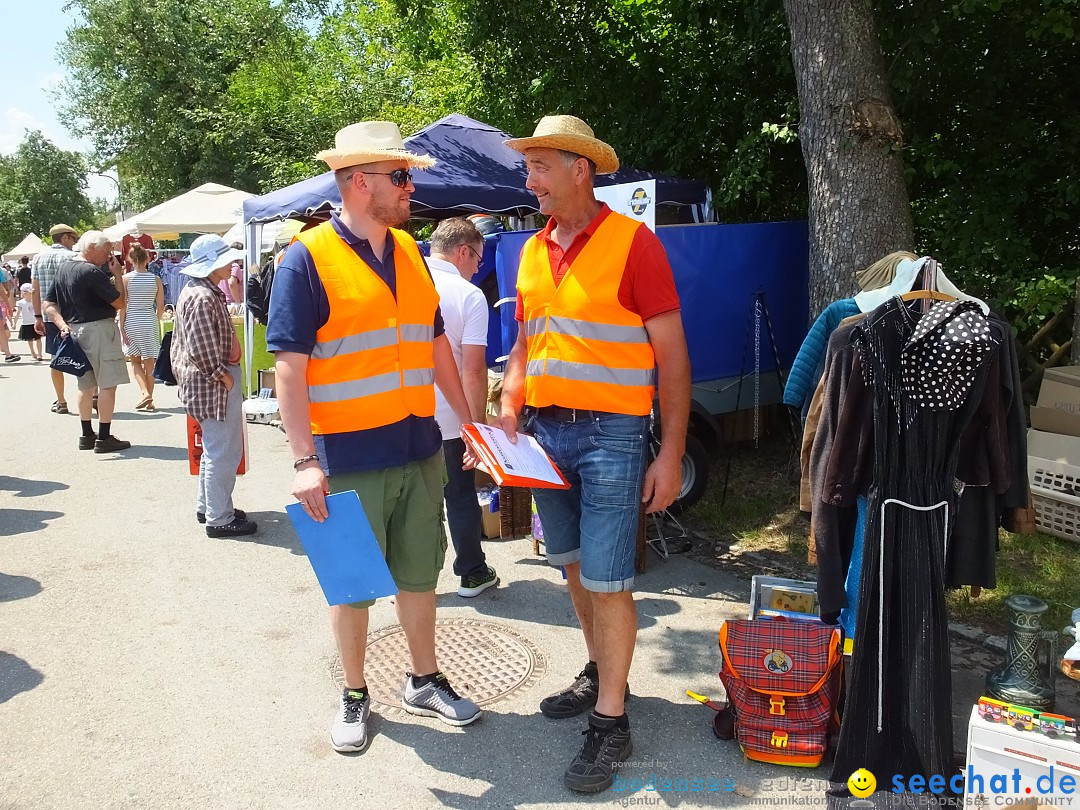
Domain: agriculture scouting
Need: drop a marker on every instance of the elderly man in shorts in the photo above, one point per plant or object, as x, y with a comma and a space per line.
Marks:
82, 302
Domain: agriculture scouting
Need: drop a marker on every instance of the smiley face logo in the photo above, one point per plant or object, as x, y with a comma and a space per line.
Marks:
861, 783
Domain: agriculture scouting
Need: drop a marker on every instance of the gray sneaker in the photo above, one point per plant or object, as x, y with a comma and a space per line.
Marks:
349, 734
438, 699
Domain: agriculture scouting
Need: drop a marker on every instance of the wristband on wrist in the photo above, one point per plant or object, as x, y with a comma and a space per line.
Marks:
296, 464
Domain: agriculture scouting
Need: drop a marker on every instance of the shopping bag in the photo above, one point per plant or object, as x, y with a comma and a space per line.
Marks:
69, 357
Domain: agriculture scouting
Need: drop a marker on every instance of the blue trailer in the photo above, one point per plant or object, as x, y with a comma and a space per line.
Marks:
734, 281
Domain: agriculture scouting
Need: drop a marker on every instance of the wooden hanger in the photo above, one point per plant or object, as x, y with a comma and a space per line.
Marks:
934, 294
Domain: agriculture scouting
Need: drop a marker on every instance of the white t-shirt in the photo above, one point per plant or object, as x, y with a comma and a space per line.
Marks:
465, 315
26, 312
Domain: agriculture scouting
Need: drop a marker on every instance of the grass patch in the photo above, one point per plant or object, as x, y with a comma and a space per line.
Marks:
1038, 565
758, 529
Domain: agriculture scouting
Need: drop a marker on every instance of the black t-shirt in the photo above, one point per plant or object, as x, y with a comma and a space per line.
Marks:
23, 274
83, 292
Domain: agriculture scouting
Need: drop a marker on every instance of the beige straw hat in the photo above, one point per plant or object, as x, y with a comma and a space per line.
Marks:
370, 142
571, 135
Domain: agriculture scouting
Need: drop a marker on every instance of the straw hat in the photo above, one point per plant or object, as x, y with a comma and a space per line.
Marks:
570, 134
61, 229
370, 142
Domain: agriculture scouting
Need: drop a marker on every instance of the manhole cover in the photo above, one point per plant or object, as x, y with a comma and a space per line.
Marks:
484, 661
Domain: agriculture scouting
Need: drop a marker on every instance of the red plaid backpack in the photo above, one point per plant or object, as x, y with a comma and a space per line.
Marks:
782, 679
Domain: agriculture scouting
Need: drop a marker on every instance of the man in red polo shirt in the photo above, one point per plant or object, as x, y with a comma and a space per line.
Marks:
601, 334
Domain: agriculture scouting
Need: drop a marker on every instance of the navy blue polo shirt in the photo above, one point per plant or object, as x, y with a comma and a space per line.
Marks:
298, 309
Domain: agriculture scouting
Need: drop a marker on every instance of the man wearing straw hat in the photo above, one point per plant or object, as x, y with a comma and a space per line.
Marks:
600, 333
42, 276
355, 324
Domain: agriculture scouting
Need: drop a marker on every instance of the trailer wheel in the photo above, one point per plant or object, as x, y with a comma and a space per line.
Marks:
695, 476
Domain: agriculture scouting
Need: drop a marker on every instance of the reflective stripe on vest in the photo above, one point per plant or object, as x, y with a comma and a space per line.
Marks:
379, 384
585, 372
587, 329
584, 348
373, 360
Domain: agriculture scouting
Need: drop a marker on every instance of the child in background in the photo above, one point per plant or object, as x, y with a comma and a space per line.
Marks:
26, 318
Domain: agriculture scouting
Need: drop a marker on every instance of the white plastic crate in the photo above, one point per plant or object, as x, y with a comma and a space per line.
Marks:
1055, 495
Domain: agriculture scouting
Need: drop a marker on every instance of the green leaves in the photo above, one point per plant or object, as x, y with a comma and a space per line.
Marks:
40, 185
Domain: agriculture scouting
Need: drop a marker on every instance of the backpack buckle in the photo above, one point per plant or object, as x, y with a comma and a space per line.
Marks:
776, 705
779, 739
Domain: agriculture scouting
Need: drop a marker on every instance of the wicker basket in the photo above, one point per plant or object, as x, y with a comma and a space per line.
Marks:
515, 512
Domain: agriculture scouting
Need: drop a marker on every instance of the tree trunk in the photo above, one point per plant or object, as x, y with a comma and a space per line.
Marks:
851, 141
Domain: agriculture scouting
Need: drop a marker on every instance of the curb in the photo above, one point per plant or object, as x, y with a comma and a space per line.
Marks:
973, 635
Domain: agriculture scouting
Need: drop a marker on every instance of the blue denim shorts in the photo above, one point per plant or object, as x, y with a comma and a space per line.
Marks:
595, 522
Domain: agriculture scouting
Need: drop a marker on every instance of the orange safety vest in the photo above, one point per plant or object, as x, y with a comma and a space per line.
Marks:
373, 362
585, 349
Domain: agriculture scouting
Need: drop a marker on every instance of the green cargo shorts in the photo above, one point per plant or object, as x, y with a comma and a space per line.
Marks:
404, 505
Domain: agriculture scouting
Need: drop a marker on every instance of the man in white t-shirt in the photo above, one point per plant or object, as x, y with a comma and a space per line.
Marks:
456, 251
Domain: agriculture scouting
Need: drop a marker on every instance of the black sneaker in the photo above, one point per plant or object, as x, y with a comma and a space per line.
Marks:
240, 514
12, 358
475, 584
110, 445
237, 527
87, 442
607, 743
578, 697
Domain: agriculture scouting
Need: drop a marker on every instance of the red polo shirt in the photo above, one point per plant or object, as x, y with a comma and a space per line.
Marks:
648, 286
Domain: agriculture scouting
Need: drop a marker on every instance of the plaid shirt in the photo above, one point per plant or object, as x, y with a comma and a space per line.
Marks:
45, 266
202, 338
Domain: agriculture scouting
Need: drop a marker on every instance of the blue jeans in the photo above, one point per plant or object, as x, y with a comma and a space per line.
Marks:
595, 522
463, 511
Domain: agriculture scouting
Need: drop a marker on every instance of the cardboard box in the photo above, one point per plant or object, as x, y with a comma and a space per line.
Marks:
1055, 422
267, 380
491, 523
1054, 446
1060, 390
778, 596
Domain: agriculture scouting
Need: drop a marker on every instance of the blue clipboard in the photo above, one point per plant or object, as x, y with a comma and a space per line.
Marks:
343, 551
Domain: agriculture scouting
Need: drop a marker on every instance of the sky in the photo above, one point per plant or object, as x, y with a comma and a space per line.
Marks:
26, 102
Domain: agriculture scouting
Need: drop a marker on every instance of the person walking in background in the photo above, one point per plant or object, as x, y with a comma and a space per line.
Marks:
26, 321
599, 335
457, 249
7, 310
140, 327
24, 273
83, 302
206, 361
359, 348
44, 274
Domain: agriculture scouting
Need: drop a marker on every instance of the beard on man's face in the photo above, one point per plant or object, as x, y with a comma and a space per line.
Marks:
388, 209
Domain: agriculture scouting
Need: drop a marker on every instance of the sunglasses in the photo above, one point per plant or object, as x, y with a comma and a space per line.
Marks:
479, 257
398, 177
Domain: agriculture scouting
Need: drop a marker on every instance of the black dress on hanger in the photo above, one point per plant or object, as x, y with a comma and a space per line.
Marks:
924, 377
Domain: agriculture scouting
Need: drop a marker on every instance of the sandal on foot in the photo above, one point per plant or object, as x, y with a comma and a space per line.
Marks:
142, 403
59, 407
149, 407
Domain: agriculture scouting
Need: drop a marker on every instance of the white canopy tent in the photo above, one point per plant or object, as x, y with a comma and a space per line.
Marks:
30, 245
210, 208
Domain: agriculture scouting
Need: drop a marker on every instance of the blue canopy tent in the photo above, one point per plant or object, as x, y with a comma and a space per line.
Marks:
476, 172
